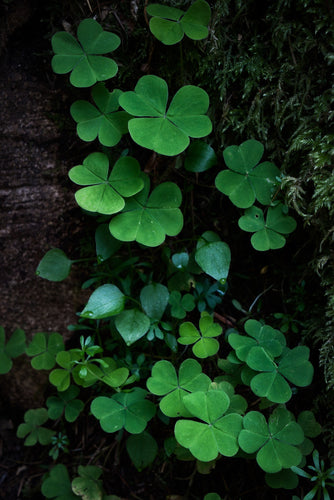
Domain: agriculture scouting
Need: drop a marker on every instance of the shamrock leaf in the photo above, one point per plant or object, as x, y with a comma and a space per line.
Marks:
65, 401
105, 301
32, 428
148, 219
57, 484
238, 404
43, 349
219, 432
165, 131
84, 58
245, 181
275, 442
104, 120
15, 346
213, 256
293, 366
169, 24
165, 382
267, 338
204, 343
269, 233
180, 305
61, 377
54, 266
105, 190
125, 409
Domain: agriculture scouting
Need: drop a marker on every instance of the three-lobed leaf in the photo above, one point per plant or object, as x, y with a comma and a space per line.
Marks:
43, 350
83, 57
166, 131
169, 24
204, 343
104, 120
105, 190
32, 429
147, 219
15, 346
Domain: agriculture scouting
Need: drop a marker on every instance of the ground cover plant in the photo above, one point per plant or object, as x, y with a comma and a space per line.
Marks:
154, 363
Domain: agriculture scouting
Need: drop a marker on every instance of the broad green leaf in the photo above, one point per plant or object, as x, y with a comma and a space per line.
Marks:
105, 190
147, 219
169, 24
125, 409
204, 345
57, 484
218, 433
54, 266
213, 256
154, 300
142, 449
165, 382
132, 325
83, 59
104, 120
32, 428
43, 350
165, 131
15, 346
105, 301
199, 157
269, 234
275, 442
65, 402
245, 181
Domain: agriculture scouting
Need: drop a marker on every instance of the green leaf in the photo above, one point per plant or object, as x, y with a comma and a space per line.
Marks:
213, 256
65, 402
204, 343
169, 24
286, 479
15, 346
200, 157
165, 382
308, 423
275, 442
83, 59
180, 305
219, 432
128, 410
142, 449
103, 121
54, 266
57, 484
88, 486
105, 190
105, 301
61, 377
269, 234
154, 300
245, 181
106, 245
32, 428
132, 325
165, 131
43, 350
212, 496
148, 219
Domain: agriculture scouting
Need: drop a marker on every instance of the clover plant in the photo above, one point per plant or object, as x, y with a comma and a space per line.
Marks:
43, 350
269, 233
204, 342
15, 346
166, 131
65, 402
104, 120
169, 24
106, 190
32, 429
57, 484
83, 57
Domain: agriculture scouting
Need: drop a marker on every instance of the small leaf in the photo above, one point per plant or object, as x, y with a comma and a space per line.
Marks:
200, 157
213, 256
106, 245
88, 485
154, 300
15, 347
57, 484
204, 343
105, 301
132, 325
54, 266
142, 449
43, 350
32, 428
